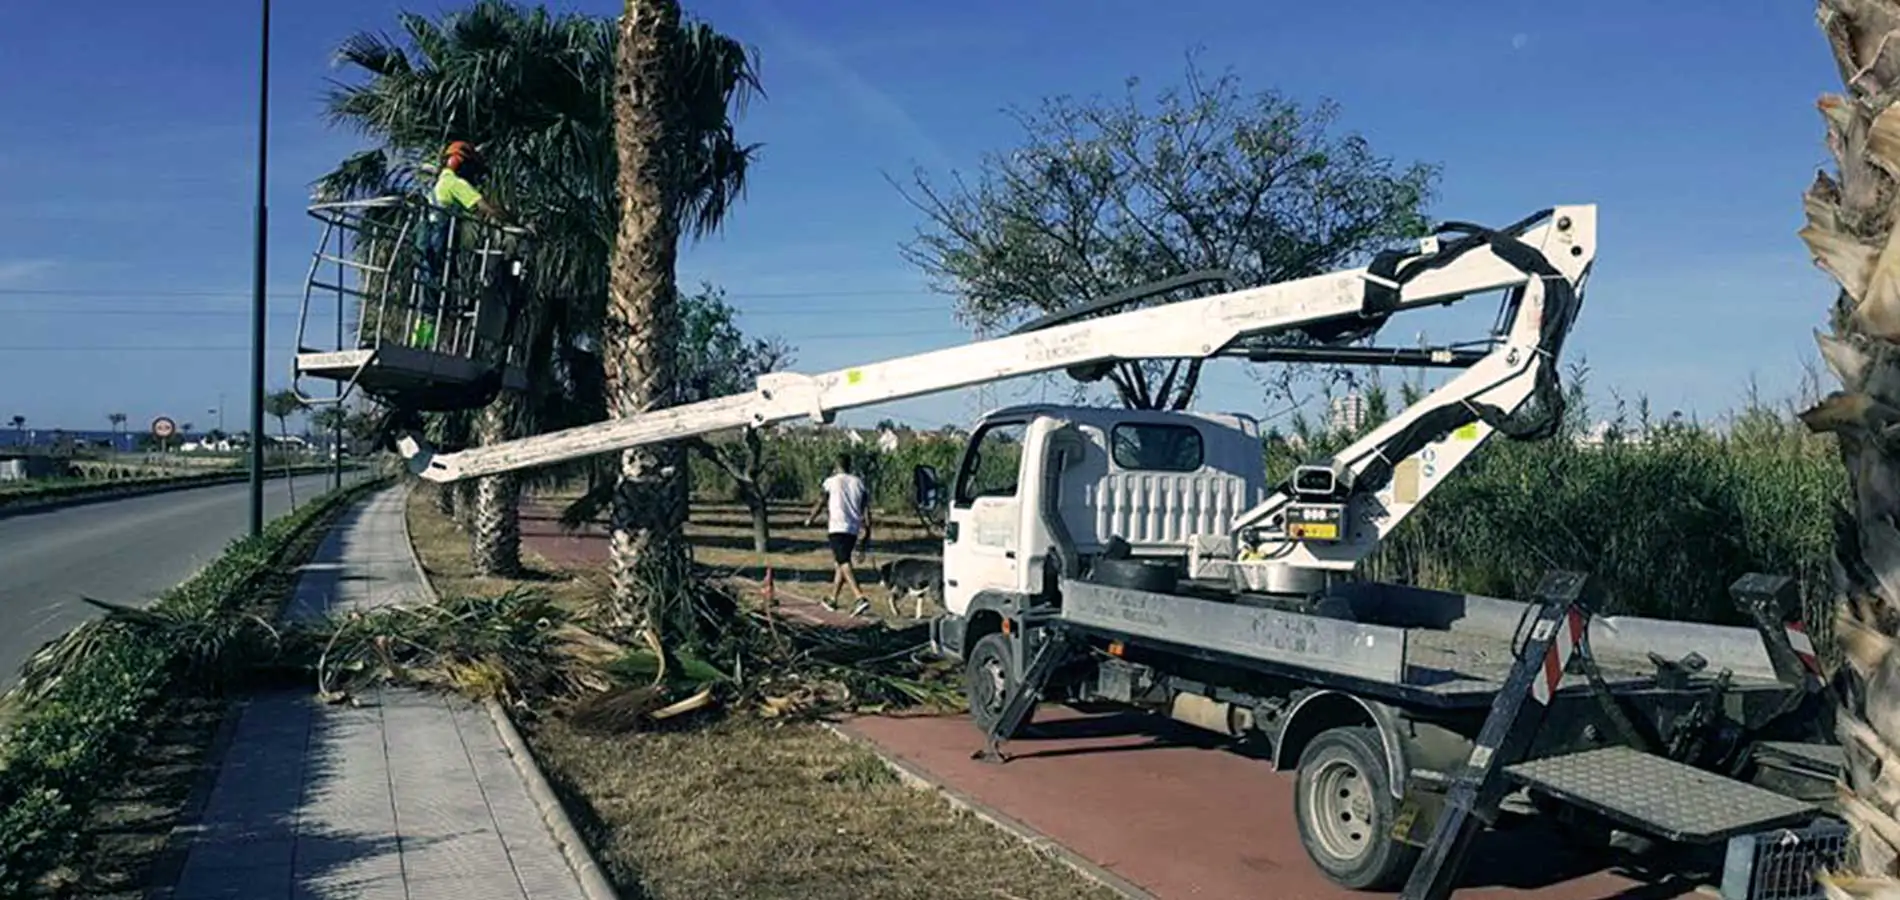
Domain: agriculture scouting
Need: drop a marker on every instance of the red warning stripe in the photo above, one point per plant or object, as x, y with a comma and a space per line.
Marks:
1803, 646
1557, 657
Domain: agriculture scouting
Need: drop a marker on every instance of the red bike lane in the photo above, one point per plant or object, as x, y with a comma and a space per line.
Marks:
1158, 805
1168, 810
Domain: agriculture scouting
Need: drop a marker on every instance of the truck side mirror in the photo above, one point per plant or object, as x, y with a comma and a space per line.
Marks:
926, 489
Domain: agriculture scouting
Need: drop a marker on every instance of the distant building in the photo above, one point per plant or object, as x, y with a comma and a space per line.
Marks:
1348, 413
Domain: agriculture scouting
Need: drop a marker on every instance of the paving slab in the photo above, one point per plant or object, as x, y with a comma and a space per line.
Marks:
1168, 810
409, 795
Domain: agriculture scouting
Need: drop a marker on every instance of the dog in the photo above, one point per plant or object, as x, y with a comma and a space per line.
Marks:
918, 579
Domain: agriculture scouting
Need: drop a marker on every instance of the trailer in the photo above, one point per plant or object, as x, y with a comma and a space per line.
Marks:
1148, 558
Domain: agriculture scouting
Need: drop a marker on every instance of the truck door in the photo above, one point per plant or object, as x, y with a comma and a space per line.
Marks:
980, 536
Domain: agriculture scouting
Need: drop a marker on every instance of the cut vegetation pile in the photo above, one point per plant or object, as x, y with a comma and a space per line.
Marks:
745, 796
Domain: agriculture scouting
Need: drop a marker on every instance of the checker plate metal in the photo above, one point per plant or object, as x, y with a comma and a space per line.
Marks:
1660, 796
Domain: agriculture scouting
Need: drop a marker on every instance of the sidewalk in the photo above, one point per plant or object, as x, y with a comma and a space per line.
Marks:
412, 795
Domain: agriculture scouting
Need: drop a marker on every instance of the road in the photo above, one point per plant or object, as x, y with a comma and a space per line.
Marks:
124, 551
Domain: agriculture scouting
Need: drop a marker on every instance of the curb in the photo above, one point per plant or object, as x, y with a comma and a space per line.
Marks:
918, 779
169, 864
594, 882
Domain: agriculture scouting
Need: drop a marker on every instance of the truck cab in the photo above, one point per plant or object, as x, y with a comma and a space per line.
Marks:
1043, 487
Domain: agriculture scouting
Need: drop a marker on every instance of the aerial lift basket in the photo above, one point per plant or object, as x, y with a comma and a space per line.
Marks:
428, 306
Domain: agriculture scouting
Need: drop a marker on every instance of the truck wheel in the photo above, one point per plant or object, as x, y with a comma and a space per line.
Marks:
1345, 810
988, 678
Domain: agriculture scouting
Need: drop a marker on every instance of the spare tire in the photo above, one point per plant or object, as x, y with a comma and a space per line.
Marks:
1135, 574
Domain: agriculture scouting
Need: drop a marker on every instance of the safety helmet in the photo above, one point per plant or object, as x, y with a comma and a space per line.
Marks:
458, 152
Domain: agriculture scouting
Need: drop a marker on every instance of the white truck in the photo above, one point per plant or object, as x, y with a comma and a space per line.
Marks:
1148, 558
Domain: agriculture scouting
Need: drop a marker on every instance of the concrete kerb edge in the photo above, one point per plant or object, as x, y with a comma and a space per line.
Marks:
915, 778
594, 882
162, 881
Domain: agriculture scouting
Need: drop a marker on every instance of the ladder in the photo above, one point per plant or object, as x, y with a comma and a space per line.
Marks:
1562, 619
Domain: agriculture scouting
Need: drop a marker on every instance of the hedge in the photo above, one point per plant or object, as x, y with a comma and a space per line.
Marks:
31, 496
68, 745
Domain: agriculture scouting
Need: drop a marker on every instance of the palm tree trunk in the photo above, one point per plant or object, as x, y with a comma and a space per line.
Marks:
649, 506
496, 548
1850, 230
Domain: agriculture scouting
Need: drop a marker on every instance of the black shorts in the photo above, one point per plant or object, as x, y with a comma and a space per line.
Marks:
842, 543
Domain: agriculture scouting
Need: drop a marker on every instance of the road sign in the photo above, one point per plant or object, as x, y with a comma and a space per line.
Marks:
163, 428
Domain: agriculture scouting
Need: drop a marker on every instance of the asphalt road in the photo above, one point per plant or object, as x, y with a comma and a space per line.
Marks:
124, 551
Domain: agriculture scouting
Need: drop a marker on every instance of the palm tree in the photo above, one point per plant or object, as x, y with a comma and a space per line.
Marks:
531, 90
649, 502
536, 92
680, 170
282, 405
1850, 229
496, 518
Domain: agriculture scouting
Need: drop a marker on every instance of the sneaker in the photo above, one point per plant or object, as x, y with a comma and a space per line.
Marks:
864, 606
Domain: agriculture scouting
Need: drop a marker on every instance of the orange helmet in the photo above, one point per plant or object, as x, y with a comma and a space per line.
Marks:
458, 152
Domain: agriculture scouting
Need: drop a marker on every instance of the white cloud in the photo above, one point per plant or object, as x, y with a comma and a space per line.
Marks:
17, 272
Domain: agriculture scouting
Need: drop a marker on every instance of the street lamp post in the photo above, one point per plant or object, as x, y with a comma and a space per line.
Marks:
257, 279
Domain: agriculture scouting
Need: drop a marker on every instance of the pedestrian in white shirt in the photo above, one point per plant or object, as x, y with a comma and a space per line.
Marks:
847, 501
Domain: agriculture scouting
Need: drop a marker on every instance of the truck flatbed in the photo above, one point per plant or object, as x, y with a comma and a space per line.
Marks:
1474, 662
1443, 667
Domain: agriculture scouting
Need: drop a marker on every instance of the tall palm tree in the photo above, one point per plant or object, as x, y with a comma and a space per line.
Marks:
1850, 229
530, 89
680, 169
649, 505
536, 92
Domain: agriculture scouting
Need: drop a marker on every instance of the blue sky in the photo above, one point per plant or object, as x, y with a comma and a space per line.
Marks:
126, 167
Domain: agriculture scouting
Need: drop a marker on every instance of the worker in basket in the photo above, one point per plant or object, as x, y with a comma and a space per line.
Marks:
456, 192
442, 292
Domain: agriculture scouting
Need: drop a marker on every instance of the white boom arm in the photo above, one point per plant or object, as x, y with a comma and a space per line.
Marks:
1383, 476
1434, 274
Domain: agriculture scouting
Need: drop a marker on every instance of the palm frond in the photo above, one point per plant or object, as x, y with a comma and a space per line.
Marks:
374, 53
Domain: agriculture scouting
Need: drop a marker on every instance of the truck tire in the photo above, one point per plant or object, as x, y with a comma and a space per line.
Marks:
1343, 804
988, 676
1136, 574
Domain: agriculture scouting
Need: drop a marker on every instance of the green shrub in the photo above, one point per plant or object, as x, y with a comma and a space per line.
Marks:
16, 495
83, 702
1666, 522
798, 463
